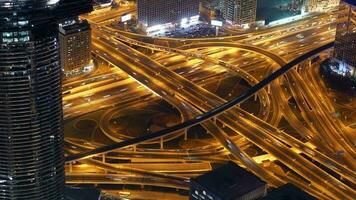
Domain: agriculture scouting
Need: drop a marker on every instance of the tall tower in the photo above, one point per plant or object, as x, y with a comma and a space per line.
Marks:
345, 40
31, 138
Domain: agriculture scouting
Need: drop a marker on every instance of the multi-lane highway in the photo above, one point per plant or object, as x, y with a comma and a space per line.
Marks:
323, 140
199, 101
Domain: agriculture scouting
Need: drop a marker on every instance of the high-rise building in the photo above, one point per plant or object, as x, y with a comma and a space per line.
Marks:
227, 182
159, 12
75, 44
229, 10
345, 40
320, 5
240, 11
341, 68
31, 138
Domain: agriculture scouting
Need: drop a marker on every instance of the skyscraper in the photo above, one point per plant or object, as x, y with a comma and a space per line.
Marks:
156, 12
240, 11
31, 138
345, 40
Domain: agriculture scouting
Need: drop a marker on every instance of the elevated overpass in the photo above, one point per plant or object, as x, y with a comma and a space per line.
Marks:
206, 116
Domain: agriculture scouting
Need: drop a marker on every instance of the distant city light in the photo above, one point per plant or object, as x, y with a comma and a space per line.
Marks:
52, 2
103, 5
287, 20
186, 22
126, 18
342, 68
216, 23
153, 30
194, 18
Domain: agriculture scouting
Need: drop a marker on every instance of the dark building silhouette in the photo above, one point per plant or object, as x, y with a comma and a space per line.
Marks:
31, 138
288, 192
82, 193
228, 182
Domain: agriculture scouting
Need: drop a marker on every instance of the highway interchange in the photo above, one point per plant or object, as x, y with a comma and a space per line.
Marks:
183, 72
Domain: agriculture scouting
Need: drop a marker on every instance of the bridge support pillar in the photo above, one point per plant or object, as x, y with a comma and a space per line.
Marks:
161, 141
255, 97
104, 158
134, 148
214, 120
104, 161
269, 88
70, 167
185, 134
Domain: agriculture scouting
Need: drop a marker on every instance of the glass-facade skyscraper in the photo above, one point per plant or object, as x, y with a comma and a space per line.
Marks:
31, 138
345, 40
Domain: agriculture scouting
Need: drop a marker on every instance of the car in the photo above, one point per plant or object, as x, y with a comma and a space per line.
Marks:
300, 36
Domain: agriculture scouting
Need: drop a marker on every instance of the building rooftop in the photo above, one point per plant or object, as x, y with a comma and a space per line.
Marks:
74, 28
229, 181
288, 192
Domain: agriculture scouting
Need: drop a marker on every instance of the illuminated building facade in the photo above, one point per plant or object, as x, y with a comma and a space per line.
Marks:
159, 12
31, 138
240, 11
75, 44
